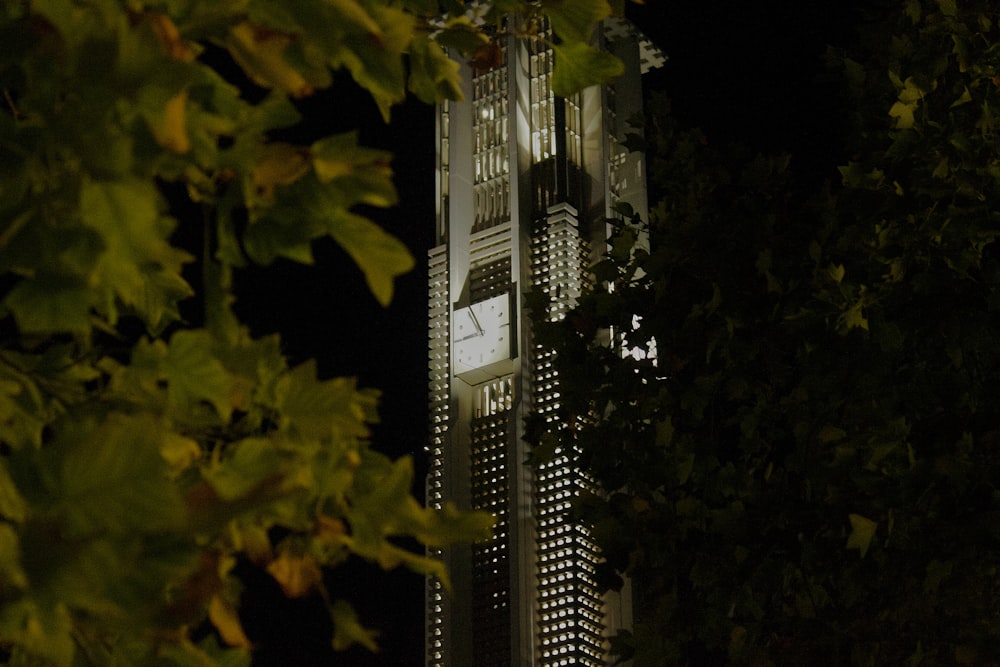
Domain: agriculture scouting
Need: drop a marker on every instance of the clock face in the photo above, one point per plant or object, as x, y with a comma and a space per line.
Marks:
481, 333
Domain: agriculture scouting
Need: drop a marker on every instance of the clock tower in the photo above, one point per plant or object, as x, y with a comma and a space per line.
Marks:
526, 181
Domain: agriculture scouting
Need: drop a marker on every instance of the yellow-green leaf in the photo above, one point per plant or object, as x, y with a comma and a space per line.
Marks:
227, 622
296, 574
12, 575
948, 7
261, 54
340, 155
579, 65
380, 255
830, 433
574, 20
854, 317
862, 532
433, 75
347, 630
170, 128
194, 374
279, 163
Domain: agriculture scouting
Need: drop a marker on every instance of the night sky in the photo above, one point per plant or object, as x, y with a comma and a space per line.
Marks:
751, 72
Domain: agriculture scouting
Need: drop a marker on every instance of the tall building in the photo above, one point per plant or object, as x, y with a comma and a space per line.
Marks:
526, 181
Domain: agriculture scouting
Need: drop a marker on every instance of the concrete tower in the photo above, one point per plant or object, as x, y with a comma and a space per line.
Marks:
525, 183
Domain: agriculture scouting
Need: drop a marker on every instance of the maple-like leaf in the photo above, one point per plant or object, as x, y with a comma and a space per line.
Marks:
579, 65
574, 20
194, 374
261, 52
433, 75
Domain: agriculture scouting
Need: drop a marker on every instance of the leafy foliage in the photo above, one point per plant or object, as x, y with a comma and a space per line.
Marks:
137, 468
807, 473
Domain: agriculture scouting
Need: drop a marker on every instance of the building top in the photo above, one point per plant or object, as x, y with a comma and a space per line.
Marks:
650, 55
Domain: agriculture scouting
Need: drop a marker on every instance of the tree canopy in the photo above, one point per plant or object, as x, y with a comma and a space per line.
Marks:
142, 452
802, 463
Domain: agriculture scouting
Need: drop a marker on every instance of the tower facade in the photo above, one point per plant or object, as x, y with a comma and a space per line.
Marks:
526, 181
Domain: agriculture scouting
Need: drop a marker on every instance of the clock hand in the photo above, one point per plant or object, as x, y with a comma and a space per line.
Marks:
475, 321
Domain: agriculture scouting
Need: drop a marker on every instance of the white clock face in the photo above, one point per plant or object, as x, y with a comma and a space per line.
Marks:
481, 333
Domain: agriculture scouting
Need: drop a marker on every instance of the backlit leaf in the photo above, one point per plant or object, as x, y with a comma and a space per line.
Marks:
433, 75
341, 155
574, 20
12, 577
862, 533
50, 303
579, 65
170, 129
379, 255
12, 505
297, 575
194, 374
347, 630
138, 265
279, 163
227, 622
261, 54
108, 475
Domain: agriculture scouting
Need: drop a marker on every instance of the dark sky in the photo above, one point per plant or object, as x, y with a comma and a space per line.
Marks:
750, 72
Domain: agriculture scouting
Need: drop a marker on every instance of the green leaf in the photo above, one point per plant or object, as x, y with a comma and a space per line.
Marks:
23, 409
461, 35
194, 374
575, 20
323, 409
39, 635
138, 265
948, 7
579, 65
12, 577
102, 474
853, 318
830, 433
862, 532
261, 52
434, 76
12, 505
340, 156
377, 65
347, 630
247, 465
964, 98
380, 256
51, 303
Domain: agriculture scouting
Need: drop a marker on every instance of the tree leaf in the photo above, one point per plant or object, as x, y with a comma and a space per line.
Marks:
12, 505
194, 374
279, 163
575, 20
261, 54
12, 576
434, 76
126, 213
862, 532
45, 634
347, 630
380, 256
297, 574
170, 126
321, 409
579, 65
50, 303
